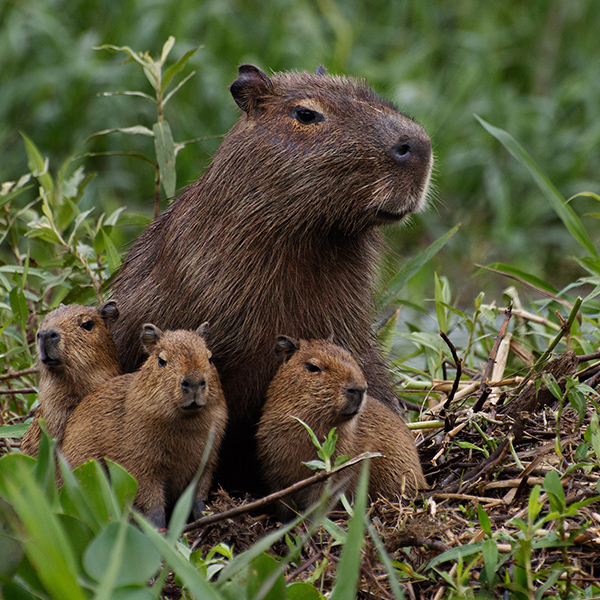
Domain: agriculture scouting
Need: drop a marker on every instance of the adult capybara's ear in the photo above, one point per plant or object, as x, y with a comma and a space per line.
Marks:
250, 88
286, 347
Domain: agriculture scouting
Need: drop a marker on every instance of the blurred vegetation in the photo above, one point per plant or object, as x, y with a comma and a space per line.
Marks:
528, 68
523, 69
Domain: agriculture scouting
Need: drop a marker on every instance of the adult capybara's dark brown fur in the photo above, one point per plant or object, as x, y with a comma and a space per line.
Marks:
156, 422
321, 384
75, 354
281, 234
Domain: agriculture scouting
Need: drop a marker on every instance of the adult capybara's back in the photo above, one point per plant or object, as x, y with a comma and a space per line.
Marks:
281, 233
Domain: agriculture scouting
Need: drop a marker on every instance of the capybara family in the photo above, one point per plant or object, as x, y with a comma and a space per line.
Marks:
280, 235
321, 384
75, 354
157, 421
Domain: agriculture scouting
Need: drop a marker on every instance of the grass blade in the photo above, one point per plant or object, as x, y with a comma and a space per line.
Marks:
554, 197
346, 582
411, 268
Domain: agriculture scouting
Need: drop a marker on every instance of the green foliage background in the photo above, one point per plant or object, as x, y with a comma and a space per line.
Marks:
527, 67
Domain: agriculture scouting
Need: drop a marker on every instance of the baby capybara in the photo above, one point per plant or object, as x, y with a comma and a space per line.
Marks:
156, 422
75, 354
280, 235
321, 384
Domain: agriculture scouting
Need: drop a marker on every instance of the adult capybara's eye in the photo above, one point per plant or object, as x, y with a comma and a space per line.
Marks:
87, 325
312, 368
306, 116
162, 362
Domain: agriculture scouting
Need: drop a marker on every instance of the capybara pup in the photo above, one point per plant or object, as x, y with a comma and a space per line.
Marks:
280, 234
156, 422
321, 384
75, 354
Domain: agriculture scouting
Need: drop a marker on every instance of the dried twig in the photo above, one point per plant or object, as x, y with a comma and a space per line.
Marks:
18, 391
17, 374
458, 363
300, 485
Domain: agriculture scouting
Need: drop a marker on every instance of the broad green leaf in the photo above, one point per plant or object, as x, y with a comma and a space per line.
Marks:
11, 554
484, 521
455, 553
490, 558
313, 465
254, 582
125, 549
166, 49
123, 484
78, 533
523, 276
301, 590
14, 431
38, 165
132, 593
348, 572
550, 581
20, 311
556, 200
112, 254
177, 67
46, 543
193, 580
165, 155
5, 198
137, 56
75, 501
113, 218
411, 268
552, 385
556, 495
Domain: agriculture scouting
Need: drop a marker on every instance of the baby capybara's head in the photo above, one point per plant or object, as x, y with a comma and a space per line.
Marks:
321, 377
179, 376
74, 339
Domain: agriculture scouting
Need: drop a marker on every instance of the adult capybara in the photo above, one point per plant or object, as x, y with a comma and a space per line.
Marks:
156, 422
75, 354
321, 384
280, 235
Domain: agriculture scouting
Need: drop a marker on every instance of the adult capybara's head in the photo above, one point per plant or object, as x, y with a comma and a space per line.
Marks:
320, 377
332, 134
178, 376
75, 339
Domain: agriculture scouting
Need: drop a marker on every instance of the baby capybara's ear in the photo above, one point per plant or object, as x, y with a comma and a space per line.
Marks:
286, 347
203, 330
109, 313
150, 336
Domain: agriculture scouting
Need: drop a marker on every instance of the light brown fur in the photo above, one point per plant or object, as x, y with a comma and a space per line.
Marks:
156, 422
321, 400
75, 354
280, 235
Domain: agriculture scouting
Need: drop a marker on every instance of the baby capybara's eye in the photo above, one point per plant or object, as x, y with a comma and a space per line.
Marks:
88, 325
